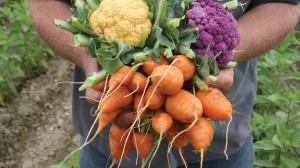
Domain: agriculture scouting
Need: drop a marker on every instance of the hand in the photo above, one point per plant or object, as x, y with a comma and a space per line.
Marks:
90, 65
224, 80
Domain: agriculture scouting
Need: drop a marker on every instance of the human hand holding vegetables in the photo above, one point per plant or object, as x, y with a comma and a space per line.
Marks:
224, 79
57, 39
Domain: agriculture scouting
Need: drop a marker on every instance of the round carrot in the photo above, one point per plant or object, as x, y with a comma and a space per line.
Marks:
149, 64
121, 77
161, 122
181, 141
138, 82
200, 135
117, 143
215, 105
153, 98
184, 106
143, 143
138, 105
107, 117
168, 78
185, 65
118, 99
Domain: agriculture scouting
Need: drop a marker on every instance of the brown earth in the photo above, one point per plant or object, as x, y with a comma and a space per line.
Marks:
35, 128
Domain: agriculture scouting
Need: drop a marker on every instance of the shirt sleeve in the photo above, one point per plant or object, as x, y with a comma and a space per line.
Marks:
254, 3
66, 1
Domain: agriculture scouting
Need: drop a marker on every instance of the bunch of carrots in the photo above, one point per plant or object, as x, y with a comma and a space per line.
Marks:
159, 83
155, 94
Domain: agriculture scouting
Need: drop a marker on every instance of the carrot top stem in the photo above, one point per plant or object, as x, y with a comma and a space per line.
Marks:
156, 137
93, 79
199, 83
139, 57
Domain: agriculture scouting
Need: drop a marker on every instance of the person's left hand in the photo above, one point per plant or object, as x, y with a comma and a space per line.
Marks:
224, 79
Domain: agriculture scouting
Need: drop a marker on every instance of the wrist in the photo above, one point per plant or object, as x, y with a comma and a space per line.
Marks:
89, 64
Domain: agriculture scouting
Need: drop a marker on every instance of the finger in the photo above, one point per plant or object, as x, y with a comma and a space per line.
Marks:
91, 65
93, 96
125, 119
224, 79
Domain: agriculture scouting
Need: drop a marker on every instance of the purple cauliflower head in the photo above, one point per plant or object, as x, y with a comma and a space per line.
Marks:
217, 30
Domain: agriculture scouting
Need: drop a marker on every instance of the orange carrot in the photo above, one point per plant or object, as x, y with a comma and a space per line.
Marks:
117, 143
100, 86
149, 64
107, 117
143, 143
118, 99
200, 135
138, 82
215, 104
138, 105
168, 78
184, 107
185, 65
111, 104
217, 107
122, 76
161, 122
154, 99
181, 141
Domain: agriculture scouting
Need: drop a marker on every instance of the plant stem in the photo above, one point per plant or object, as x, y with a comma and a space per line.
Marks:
94, 79
76, 23
199, 83
65, 25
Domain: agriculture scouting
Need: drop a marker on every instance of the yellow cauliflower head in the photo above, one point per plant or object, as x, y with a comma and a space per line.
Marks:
125, 20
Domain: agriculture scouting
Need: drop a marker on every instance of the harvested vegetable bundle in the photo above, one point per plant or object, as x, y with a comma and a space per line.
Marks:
154, 58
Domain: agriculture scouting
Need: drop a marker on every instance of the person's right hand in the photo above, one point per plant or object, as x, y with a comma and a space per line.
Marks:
91, 65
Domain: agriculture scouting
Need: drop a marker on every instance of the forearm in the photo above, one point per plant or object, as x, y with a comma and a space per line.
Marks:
263, 27
59, 40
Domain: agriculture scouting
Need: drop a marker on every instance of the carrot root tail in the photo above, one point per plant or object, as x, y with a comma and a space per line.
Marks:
226, 144
201, 157
168, 159
143, 163
113, 163
182, 158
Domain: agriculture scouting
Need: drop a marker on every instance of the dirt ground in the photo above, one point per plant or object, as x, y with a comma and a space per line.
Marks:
35, 128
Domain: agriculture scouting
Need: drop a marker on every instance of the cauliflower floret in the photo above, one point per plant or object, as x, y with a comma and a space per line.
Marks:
125, 20
217, 30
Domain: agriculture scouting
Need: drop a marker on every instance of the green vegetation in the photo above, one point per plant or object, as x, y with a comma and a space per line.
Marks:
71, 163
276, 115
23, 53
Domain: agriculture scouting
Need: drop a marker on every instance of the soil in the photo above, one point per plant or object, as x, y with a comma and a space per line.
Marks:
35, 128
